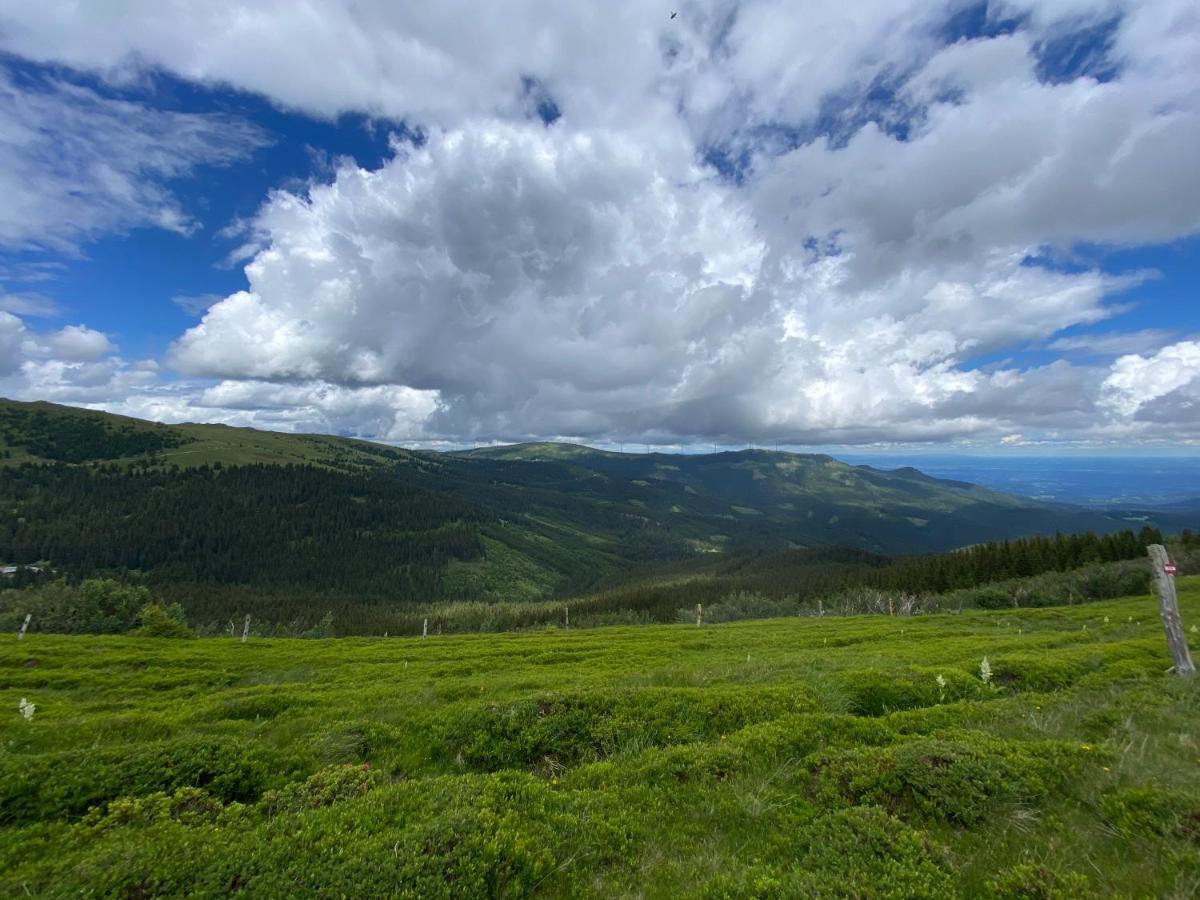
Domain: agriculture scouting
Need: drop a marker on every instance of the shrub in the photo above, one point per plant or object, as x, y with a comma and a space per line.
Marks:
323, 788
557, 730
864, 852
1030, 882
1146, 810
67, 784
162, 622
187, 806
950, 779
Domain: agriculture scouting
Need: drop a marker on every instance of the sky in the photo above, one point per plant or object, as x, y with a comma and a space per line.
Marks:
885, 223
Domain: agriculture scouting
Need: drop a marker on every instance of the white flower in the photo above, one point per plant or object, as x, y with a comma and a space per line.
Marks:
985, 671
1193, 629
941, 679
26, 709
941, 683
1106, 620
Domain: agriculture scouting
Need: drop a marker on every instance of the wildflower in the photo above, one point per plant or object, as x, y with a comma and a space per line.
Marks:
1085, 746
985, 671
1106, 768
1106, 620
1193, 629
941, 683
26, 709
554, 781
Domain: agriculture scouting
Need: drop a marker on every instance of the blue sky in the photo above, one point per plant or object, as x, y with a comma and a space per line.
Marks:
927, 225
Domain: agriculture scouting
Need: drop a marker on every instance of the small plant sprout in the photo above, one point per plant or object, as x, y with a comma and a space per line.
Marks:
27, 709
941, 683
985, 671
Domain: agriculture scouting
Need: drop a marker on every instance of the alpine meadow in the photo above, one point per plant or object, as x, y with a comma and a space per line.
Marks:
740, 450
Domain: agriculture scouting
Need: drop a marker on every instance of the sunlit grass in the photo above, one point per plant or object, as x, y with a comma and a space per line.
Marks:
788, 757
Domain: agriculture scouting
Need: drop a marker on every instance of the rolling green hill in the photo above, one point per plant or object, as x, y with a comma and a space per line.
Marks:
229, 518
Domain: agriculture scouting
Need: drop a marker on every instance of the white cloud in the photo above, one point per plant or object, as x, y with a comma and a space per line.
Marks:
1136, 381
1146, 340
75, 165
897, 197
78, 343
28, 304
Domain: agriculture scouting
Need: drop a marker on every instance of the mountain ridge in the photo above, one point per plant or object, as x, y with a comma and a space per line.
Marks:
205, 511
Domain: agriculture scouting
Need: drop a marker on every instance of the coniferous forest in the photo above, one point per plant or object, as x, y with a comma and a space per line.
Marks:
300, 530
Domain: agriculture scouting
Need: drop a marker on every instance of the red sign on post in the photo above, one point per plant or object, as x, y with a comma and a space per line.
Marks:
1169, 568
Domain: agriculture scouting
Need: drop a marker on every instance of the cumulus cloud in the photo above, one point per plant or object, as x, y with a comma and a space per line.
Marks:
831, 227
78, 343
1136, 381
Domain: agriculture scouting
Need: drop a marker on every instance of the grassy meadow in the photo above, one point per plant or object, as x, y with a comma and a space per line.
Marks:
859, 756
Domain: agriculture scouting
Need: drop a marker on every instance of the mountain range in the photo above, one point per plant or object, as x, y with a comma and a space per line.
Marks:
217, 508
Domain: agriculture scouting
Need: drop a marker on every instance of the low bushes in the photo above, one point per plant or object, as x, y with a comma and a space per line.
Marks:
557, 730
68, 784
954, 779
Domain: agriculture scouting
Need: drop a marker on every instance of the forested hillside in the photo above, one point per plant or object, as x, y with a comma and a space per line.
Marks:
294, 526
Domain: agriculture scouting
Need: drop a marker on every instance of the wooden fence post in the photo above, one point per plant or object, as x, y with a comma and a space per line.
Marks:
1168, 609
567, 615
699, 611
246, 628
425, 629
24, 626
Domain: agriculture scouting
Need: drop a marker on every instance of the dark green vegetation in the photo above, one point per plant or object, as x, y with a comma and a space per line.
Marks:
298, 528
781, 758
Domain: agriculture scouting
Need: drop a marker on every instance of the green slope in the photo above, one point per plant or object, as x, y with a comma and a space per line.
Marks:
355, 523
44, 432
756, 498
799, 757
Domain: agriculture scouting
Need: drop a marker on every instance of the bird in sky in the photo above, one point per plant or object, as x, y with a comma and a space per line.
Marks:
674, 14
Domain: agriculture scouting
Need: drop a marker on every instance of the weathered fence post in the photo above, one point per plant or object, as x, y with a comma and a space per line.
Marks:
425, 629
246, 628
567, 615
1168, 609
699, 611
820, 607
24, 626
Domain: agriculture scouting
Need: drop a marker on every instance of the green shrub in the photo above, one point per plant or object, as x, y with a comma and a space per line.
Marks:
559, 730
863, 852
162, 622
989, 597
955, 780
1146, 810
187, 805
875, 693
67, 784
324, 787
1030, 882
